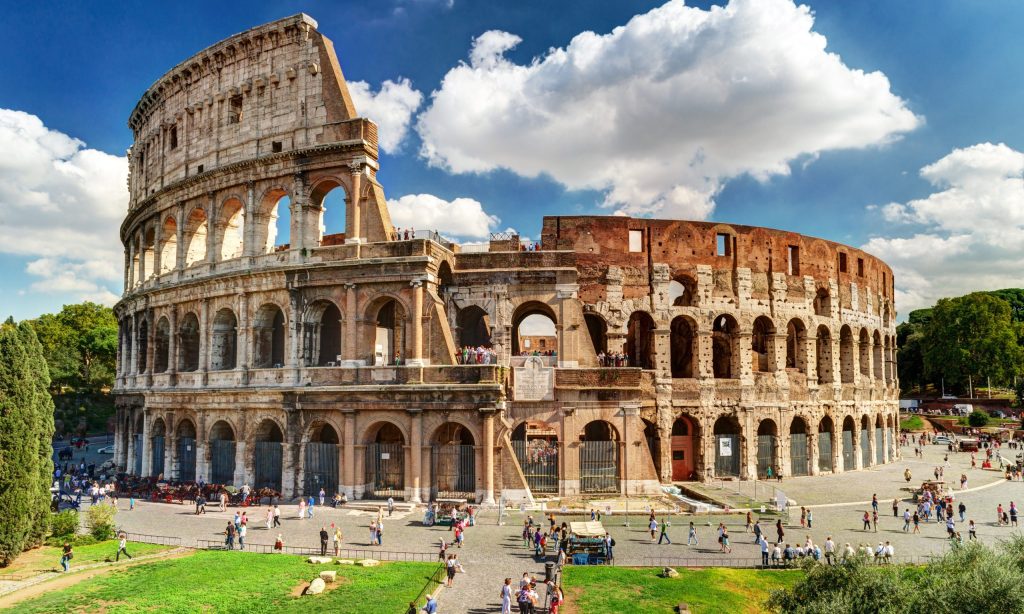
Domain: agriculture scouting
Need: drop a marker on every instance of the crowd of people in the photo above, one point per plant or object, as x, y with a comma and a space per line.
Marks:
479, 355
614, 359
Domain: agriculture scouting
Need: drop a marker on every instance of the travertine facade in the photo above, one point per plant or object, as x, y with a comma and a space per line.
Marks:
331, 357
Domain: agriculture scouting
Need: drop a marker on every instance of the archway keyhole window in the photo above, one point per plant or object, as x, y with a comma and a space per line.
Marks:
723, 340
329, 196
762, 352
536, 335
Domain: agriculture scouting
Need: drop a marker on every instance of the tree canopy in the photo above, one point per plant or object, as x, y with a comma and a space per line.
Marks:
80, 345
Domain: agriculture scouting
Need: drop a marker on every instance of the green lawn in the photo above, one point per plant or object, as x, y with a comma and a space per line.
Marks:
238, 582
641, 591
47, 558
913, 423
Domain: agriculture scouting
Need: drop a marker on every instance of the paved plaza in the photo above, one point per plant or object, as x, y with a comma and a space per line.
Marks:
493, 552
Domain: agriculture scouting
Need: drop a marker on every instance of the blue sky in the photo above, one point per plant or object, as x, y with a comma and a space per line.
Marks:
953, 70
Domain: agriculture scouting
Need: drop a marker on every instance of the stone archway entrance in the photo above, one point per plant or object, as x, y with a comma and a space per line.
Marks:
453, 463
385, 464
599, 458
536, 447
321, 462
684, 465
268, 456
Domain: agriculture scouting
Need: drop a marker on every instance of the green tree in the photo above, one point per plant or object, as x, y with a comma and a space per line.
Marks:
977, 418
42, 405
80, 345
972, 335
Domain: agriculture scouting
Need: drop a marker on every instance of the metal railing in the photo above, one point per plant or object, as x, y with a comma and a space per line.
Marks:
435, 580
145, 538
344, 553
755, 562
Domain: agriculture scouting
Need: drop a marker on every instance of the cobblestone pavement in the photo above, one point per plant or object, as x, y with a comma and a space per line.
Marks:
494, 552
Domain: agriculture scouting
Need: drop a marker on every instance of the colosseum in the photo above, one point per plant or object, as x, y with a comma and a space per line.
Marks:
613, 356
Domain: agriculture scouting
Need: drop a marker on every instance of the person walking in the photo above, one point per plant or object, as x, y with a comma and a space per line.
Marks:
391, 506
66, 556
972, 531
450, 570
270, 517
895, 508
906, 520
757, 531
664, 533
380, 532
867, 521
277, 516
725, 541
323, 541
750, 523
323, 496
830, 550
917, 522
302, 508
122, 547
874, 520
242, 531
506, 596
229, 536
764, 550
810, 518
691, 539
779, 531
653, 526
337, 541
803, 517
309, 506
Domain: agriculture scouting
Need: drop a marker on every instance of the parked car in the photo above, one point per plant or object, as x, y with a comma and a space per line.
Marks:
949, 396
942, 440
995, 413
106, 450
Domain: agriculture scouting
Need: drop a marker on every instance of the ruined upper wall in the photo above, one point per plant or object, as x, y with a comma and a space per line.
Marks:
275, 88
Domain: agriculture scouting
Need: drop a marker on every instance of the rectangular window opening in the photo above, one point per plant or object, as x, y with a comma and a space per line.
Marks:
860, 267
235, 115
842, 262
199, 169
793, 260
174, 137
723, 244
636, 241
885, 285
276, 147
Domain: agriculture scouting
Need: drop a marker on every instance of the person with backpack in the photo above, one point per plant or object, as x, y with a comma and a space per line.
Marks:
609, 544
66, 557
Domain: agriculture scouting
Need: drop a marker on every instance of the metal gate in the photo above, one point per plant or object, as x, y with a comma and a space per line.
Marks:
385, 471
139, 451
453, 468
599, 466
222, 461
186, 459
267, 465
321, 468
848, 450
865, 449
879, 446
798, 454
766, 456
158, 456
538, 459
727, 455
825, 451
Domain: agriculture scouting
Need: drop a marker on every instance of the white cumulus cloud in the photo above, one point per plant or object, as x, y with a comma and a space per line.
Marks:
391, 108
462, 218
661, 111
967, 235
61, 203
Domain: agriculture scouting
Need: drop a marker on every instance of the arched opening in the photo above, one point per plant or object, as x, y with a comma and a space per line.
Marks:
887, 360
273, 226
890, 435
389, 335
162, 340
727, 447
681, 291
598, 330
876, 344
723, 342
321, 466
186, 451
224, 341
822, 303
762, 356
865, 353
188, 343
599, 458
453, 463
231, 229
879, 440
158, 431
535, 332
684, 461
824, 351
222, 453
321, 334
885, 315
140, 444
143, 344
536, 448
865, 439
148, 254
330, 198
268, 337
195, 237
169, 245
268, 456
385, 462
849, 435
640, 340
799, 452
474, 328
825, 428
126, 334
134, 267
682, 346
796, 345
767, 449
846, 353
653, 438
445, 278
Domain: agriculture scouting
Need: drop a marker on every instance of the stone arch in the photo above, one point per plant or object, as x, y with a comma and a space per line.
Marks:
850, 440
474, 327
682, 291
728, 445
599, 457
230, 229
157, 440
185, 451
887, 360
865, 352
268, 337
537, 335
322, 431
761, 340
822, 303
148, 254
222, 430
268, 457
221, 447
724, 345
879, 440
445, 277
168, 244
267, 235
384, 462
846, 354
196, 229
826, 427
224, 340
865, 439
188, 343
597, 327
823, 344
683, 347
800, 456
330, 197
653, 437
876, 358
321, 333
162, 345
536, 447
639, 345
387, 316
796, 345
453, 461
885, 314
320, 467
767, 449
685, 445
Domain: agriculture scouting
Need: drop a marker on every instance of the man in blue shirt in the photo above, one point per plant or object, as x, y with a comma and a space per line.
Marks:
431, 606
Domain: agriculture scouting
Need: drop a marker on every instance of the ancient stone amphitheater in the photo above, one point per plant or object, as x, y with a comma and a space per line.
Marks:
276, 330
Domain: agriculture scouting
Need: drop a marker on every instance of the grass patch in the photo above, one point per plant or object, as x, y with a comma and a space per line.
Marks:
238, 582
913, 423
642, 591
47, 558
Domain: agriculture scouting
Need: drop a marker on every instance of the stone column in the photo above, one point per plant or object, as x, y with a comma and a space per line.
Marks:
743, 364
294, 332
150, 345
350, 342
204, 342
293, 476
858, 455
416, 452
488, 420
837, 446
241, 475
147, 453
354, 230
172, 343
158, 232
142, 257
211, 228
249, 235
129, 461
812, 450
349, 453
872, 452
127, 266
179, 260
134, 366
705, 355
811, 352
242, 337
416, 351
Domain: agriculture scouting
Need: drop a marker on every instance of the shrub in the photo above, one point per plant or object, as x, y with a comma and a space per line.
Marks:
977, 418
101, 521
64, 524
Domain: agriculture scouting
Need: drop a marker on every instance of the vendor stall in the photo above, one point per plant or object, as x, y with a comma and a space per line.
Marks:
586, 543
445, 511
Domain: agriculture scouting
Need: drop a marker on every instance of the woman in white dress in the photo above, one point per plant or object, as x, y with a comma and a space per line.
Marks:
506, 597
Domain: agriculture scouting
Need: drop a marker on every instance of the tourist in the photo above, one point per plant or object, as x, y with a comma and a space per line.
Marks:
430, 607
874, 502
874, 519
391, 506
229, 536
450, 570
1013, 514
506, 597
279, 544
527, 599
242, 530
776, 555
757, 530
764, 550
999, 514
830, 550
442, 554
373, 532
779, 531
270, 518
725, 541
810, 518
906, 520
895, 508
277, 516
557, 599
652, 525
309, 506
803, 517
972, 531
691, 539
323, 541
750, 522
609, 544
65, 558
664, 533
302, 508
122, 547
867, 521
380, 532
131, 502
337, 541
917, 522
848, 552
